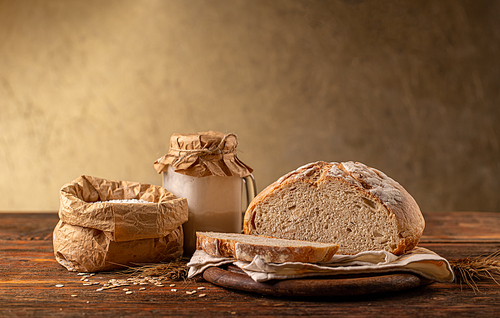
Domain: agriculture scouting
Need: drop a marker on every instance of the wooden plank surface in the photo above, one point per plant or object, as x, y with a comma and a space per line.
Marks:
467, 226
29, 274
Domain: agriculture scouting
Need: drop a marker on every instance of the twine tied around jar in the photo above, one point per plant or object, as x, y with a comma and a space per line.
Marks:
215, 149
203, 154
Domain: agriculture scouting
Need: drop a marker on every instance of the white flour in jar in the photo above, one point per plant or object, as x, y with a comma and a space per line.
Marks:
214, 203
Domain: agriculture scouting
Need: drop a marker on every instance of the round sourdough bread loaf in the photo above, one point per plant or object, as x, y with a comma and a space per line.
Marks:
358, 207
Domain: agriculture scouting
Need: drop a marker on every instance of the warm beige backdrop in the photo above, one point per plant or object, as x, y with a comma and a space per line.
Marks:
98, 87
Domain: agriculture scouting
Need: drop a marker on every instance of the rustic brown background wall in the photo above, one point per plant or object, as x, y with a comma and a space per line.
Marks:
98, 87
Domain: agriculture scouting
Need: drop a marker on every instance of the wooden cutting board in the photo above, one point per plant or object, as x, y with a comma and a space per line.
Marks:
353, 285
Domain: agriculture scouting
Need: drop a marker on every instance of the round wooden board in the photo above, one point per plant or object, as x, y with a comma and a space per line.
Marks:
304, 287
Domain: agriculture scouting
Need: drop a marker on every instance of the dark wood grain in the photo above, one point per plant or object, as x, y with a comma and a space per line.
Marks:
29, 273
456, 226
340, 286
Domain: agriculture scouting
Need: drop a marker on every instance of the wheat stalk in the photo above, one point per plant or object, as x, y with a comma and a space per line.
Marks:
468, 270
175, 270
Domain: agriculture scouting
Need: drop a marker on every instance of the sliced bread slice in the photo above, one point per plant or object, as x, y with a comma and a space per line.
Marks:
245, 247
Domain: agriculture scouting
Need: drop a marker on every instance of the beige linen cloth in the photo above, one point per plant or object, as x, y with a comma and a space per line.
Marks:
420, 261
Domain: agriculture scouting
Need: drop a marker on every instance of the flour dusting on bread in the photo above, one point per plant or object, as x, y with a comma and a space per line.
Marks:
348, 203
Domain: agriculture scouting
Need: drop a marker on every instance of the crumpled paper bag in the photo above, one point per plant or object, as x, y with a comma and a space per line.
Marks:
419, 261
96, 235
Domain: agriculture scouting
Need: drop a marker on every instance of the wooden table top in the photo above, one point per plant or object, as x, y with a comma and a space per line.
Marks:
29, 275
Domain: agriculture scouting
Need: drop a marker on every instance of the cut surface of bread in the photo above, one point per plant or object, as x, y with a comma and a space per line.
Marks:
358, 207
245, 247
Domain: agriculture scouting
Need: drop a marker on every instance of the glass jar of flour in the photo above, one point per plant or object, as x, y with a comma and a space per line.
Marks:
204, 169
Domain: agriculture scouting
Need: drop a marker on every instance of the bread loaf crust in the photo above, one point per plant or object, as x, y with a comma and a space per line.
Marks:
236, 246
366, 181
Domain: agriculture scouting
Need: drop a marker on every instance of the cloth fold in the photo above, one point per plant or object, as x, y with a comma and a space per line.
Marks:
420, 261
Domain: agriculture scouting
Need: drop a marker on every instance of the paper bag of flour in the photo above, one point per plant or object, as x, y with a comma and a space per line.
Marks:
108, 224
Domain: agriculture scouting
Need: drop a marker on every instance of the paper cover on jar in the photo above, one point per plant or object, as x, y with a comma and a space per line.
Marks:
204, 154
